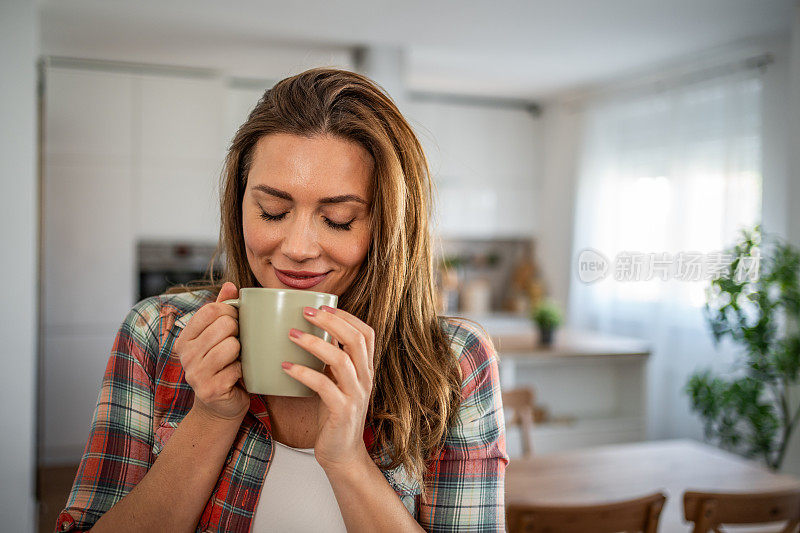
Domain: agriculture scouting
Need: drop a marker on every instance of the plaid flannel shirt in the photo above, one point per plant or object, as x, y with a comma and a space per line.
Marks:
144, 397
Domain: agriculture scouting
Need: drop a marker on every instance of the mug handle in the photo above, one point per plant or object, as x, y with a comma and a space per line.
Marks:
234, 302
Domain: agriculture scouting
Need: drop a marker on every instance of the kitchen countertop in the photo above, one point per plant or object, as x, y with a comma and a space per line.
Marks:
516, 336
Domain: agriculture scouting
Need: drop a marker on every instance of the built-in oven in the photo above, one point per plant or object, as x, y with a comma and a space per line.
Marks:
163, 264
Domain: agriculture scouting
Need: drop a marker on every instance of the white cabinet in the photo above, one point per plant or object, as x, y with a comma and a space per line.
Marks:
181, 118
71, 381
239, 102
178, 200
87, 215
429, 121
88, 113
484, 162
593, 385
179, 156
593, 400
88, 254
88, 262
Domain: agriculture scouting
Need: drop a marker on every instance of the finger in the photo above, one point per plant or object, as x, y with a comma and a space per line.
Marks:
219, 357
229, 376
205, 316
223, 327
353, 320
329, 393
209, 312
353, 341
360, 325
339, 361
228, 291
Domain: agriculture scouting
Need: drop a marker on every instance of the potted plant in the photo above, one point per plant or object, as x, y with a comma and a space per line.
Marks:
752, 411
547, 317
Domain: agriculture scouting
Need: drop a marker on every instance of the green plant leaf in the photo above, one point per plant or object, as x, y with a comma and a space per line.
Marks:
748, 413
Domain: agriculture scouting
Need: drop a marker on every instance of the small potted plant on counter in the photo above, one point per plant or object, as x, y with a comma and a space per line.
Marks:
547, 317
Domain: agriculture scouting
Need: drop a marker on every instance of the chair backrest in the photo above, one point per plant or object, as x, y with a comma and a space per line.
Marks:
520, 402
709, 510
641, 514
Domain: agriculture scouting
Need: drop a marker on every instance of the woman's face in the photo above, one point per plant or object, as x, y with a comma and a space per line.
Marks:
305, 212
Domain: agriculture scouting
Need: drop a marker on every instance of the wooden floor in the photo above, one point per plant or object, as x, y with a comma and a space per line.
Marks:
54, 486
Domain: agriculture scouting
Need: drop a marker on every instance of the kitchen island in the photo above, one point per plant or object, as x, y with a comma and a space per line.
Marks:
592, 386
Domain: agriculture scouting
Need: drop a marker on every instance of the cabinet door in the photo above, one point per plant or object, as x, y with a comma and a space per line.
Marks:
70, 385
181, 154
179, 200
491, 145
465, 145
88, 254
487, 178
88, 114
428, 121
181, 118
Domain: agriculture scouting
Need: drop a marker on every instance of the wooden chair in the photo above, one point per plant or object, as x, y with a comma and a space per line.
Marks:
637, 515
520, 402
709, 510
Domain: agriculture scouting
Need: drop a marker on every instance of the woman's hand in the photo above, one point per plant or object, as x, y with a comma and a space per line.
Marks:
344, 388
209, 353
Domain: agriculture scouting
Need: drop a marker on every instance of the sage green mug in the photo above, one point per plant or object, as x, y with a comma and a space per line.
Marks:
265, 318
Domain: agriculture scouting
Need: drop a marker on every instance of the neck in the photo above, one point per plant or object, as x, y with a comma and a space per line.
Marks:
293, 420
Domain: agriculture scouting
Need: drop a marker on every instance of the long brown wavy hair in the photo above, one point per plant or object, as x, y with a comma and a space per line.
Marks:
417, 388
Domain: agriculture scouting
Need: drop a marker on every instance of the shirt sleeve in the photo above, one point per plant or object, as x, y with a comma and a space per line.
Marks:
118, 452
466, 484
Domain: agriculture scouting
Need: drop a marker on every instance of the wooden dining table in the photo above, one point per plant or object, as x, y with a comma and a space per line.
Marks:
610, 473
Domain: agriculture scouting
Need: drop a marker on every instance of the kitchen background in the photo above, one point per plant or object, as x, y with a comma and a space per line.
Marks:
117, 117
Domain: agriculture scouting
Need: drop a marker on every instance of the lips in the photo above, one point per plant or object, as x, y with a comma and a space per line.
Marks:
299, 279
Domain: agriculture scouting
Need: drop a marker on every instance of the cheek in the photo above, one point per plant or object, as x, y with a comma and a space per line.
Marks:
349, 250
257, 238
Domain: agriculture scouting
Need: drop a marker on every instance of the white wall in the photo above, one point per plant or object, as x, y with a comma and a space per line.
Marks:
794, 134
18, 268
791, 131
562, 132
775, 144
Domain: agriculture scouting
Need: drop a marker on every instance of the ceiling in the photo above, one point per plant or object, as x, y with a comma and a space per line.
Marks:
522, 49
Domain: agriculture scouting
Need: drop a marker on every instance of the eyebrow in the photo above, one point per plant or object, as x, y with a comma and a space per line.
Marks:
329, 200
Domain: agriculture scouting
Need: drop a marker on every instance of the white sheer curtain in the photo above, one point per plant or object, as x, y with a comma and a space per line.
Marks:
677, 170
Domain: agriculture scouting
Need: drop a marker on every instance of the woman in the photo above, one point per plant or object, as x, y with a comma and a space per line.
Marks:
326, 188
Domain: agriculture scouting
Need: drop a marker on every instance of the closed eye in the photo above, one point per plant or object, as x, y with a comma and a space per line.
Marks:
267, 216
344, 227
334, 225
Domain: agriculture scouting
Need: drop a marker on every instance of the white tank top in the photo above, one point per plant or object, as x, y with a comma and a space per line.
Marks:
296, 495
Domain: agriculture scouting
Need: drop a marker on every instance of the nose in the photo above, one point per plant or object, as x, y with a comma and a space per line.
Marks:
300, 241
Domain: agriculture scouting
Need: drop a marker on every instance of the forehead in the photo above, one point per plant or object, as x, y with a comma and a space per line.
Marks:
318, 166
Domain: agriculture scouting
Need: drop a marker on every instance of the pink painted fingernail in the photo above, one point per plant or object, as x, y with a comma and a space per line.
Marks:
310, 311
328, 308
286, 365
296, 333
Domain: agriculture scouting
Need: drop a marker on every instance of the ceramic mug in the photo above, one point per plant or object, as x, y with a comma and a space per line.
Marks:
265, 318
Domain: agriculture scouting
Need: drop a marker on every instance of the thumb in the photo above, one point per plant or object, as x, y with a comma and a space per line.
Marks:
227, 292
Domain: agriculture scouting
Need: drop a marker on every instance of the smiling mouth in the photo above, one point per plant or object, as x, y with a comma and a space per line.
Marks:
301, 274
299, 279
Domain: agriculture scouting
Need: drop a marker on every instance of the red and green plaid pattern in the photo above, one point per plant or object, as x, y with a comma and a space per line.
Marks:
144, 396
